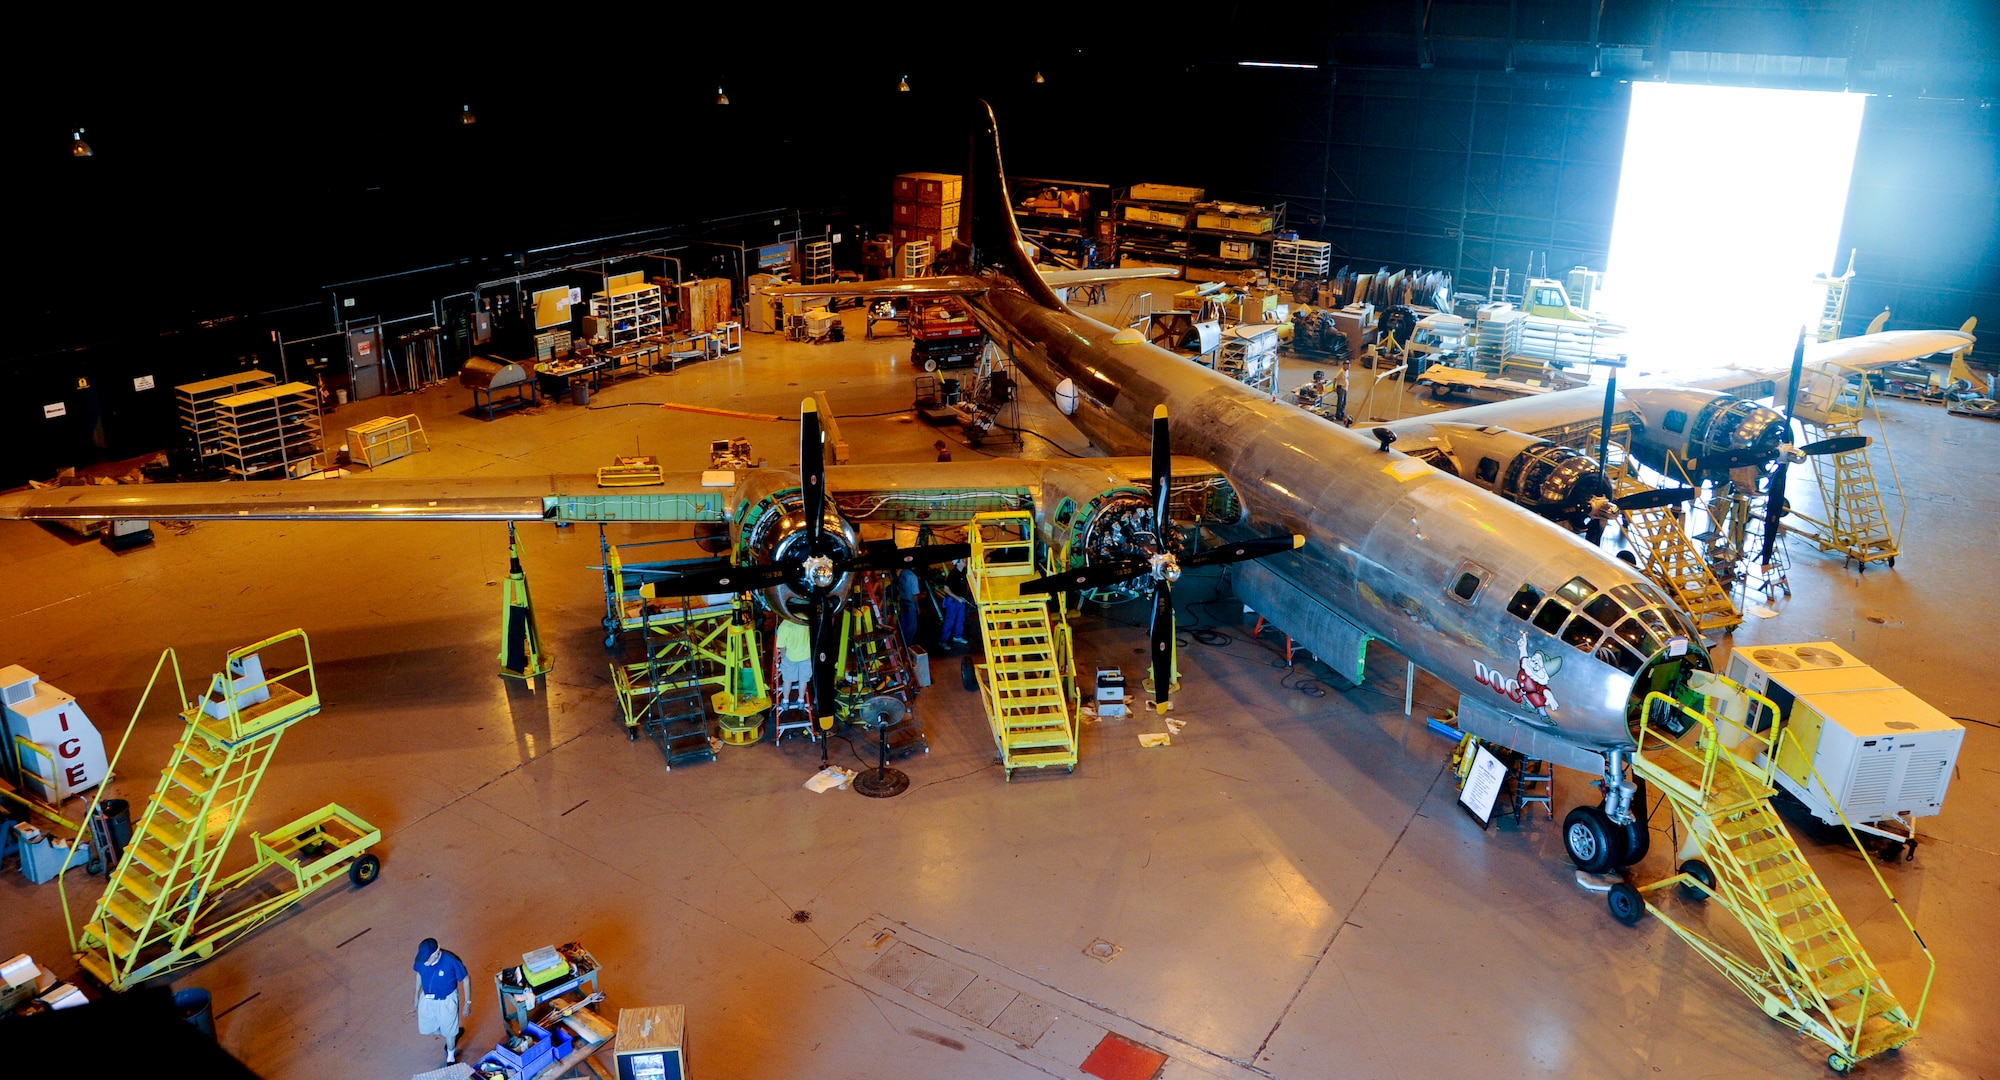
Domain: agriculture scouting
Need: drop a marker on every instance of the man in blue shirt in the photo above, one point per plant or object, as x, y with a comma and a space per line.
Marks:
908, 589
443, 995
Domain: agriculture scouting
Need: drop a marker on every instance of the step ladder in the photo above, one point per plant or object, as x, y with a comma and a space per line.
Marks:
1805, 967
1659, 538
1857, 523
1028, 680
1834, 307
167, 905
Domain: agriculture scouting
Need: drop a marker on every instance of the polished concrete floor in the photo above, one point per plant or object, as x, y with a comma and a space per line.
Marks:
1288, 890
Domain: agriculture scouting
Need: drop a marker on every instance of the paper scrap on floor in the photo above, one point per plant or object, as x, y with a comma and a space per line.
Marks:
1762, 612
1174, 726
1155, 738
833, 776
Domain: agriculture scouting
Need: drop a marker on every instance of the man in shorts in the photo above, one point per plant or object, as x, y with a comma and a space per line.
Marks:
444, 996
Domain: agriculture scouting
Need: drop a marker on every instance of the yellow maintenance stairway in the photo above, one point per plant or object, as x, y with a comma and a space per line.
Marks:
166, 907
1658, 537
1027, 683
1804, 966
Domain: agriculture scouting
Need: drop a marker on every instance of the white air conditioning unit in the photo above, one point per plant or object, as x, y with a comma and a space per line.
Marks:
1854, 740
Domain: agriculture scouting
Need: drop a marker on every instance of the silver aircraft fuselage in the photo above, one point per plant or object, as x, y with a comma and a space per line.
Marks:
1388, 537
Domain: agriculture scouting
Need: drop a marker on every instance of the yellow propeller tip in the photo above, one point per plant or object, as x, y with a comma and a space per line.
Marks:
808, 405
1159, 412
1298, 541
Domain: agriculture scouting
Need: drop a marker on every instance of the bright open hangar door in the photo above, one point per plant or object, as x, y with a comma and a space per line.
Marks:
1729, 201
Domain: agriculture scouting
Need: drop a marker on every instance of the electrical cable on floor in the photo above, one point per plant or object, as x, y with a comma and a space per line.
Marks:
1981, 723
1044, 438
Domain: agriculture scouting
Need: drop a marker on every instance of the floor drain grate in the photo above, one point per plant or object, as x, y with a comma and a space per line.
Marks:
1101, 949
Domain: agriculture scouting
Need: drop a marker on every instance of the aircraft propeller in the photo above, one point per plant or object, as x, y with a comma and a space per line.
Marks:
1159, 565
815, 572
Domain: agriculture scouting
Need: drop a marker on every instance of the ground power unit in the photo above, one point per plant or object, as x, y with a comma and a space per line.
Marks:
1854, 739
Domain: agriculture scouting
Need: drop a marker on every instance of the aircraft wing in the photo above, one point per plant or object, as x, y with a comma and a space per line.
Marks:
935, 492
513, 498
946, 285
1864, 353
1451, 378
1063, 279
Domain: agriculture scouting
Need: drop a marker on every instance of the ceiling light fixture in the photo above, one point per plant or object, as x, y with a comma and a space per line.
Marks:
720, 97
467, 118
903, 84
1038, 79
1276, 64
77, 147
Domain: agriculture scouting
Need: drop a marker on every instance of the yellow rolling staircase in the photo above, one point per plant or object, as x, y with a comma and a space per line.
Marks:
1857, 524
167, 906
1027, 683
1659, 538
1805, 967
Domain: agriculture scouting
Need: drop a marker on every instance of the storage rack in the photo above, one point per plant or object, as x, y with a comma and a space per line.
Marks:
816, 262
1063, 216
916, 258
1157, 232
1295, 259
269, 428
634, 312
198, 405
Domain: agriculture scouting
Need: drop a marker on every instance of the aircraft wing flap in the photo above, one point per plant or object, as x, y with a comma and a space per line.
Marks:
951, 493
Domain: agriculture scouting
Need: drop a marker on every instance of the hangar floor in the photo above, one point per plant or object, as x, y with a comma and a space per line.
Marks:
1289, 887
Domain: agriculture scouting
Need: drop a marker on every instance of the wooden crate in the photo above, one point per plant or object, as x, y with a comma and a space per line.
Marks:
940, 239
1173, 219
704, 304
927, 215
929, 187
1167, 193
1255, 224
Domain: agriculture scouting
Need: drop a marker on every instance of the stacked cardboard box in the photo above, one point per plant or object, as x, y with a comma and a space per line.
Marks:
927, 208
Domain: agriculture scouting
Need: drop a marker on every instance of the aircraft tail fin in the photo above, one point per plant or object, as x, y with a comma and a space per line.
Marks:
991, 237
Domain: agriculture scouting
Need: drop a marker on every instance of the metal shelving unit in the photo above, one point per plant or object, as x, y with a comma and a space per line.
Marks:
1295, 259
635, 313
816, 262
272, 428
198, 405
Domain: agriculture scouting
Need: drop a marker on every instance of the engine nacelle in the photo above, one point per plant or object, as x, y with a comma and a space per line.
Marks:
1554, 481
1702, 425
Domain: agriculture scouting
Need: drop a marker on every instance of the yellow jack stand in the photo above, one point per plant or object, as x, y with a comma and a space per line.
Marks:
741, 703
521, 655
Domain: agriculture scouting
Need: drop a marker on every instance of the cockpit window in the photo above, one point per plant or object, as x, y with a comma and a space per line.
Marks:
1621, 658
1631, 596
1605, 610
1524, 602
1634, 633
1582, 633
1575, 590
1550, 618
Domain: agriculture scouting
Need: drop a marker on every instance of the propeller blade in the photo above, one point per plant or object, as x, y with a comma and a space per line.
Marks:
724, 577
898, 558
1163, 479
1841, 445
812, 476
823, 641
1094, 576
1248, 549
1775, 488
1655, 498
1163, 644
